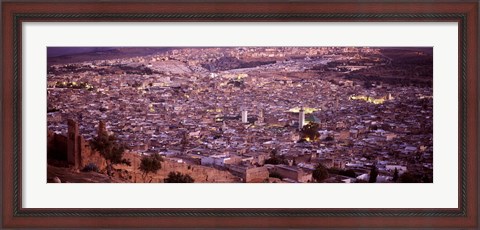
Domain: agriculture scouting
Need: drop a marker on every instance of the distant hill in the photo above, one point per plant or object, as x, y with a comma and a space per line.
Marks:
65, 55
407, 66
409, 55
65, 51
427, 50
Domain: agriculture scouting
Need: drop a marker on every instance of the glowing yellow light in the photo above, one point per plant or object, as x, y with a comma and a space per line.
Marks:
306, 110
368, 99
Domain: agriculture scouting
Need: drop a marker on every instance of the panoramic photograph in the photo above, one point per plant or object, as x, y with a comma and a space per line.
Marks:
240, 114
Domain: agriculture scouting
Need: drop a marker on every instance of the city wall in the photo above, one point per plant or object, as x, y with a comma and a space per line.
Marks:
73, 149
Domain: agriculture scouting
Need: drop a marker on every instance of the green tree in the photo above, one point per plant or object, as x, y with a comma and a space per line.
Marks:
395, 175
320, 173
184, 142
427, 178
111, 149
150, 164
408, 177
309, 132
329, 138
349, 173
373, 174
177, 177
275, 159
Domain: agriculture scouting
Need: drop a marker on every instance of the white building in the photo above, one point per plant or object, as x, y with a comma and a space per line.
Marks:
401, 169
244, 116
218, 160
301, 118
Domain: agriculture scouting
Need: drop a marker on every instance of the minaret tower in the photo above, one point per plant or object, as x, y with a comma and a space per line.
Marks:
244, 116
301, 118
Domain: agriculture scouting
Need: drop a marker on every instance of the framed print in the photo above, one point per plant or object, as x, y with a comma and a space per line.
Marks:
225, 114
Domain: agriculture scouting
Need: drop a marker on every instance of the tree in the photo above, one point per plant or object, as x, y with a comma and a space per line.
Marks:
111, 149
275, 160
427, 178
177, 177
349, 173
373, 174
310, 131
329, 138
367, 84
320, 173
150, 164
410, 178
395, 175
184, 142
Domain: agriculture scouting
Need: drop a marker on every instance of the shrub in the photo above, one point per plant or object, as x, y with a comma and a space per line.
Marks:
150, 164
90, 167
177, 177
320, 173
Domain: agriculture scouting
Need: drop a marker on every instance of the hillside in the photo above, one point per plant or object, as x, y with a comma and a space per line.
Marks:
61, 55
129, 174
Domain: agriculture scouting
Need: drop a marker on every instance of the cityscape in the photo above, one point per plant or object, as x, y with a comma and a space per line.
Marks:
240, 114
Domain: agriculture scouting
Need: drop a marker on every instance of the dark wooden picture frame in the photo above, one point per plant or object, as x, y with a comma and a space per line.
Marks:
465, 13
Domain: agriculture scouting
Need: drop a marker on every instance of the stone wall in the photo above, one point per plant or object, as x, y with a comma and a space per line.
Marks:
257, 174
201, 174
88, 155
56, 146
249, 174
73, 149
292, 173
